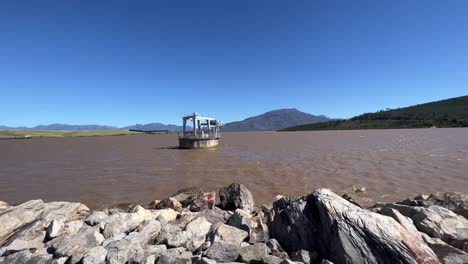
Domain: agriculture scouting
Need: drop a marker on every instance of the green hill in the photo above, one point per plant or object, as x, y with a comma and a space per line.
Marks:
445, 113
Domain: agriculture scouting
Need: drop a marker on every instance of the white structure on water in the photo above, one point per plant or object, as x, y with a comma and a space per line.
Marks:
205, 132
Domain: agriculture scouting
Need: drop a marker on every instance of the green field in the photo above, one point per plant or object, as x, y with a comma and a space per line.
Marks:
12, 134
446, 113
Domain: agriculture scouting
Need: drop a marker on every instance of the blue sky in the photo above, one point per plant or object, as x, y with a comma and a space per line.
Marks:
126, 62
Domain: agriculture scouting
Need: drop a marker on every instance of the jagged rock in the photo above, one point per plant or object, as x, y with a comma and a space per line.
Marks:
77, 245
55, 229
124, 250
62, 211
304, 256
253, 253
168, 214
112, 239
228, 233
96, 218
243, 220
29, 237
236, 196
187, 195
456, 202
290, 225
155, 250
349, 234
151, 259
446, 253
178, 255
121, 223
185, 217
61, 260
73, 227
203, 201
95, 255
196, 233
350, 199
270, 259
274, 245
41, 259
18, 257
169, 203
215, 215
223, 251
437, 222
204, 261
146, 232
13, 218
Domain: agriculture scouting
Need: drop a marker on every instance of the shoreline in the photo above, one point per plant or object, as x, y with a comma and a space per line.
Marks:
192, 226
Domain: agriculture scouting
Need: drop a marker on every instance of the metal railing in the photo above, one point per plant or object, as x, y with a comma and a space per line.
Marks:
199, 135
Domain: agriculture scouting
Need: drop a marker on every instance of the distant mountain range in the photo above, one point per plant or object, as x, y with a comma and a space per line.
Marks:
451, 112
274, 120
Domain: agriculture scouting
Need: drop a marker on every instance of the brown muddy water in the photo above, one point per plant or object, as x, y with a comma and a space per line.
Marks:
99, 171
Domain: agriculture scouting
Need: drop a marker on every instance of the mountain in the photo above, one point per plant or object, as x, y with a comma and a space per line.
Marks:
155, 126
274, 120
61, 127
445, 113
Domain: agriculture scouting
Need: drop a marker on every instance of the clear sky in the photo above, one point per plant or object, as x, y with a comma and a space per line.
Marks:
140, 61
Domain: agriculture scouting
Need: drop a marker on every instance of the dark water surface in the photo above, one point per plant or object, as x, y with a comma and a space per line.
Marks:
98, 171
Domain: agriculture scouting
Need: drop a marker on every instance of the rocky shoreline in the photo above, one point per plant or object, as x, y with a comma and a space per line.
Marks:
194, 227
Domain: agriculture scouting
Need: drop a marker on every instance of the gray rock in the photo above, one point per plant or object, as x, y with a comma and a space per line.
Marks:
243, 220
124, 250
446, 253
287, 261
186, 196
121, 223
236, 196
349, 234
203, 201
290, 225
114, 238
148, 231
304, 256
253, 253
96, 218
228, 233
176, 255
18, 257
274, 245
151, 259
223, 251
73, 227
215, 215
456, 202
29, 237
62, 211
437, 222
270, 259
61, 260
155, 250
324, 261
55, 229
13, 218
205, 261
77, 245
95, 255
41, 259
196, 233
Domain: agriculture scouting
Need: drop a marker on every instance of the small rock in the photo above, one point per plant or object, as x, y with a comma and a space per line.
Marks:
236, 196
96, 218
124, 250
169, 203
223, 251
304, 256
357, 188
253, 253
151, 259
95, 255
156, 250
229, 234
187, 195
270, 259
196, 233
55, 229
121, 223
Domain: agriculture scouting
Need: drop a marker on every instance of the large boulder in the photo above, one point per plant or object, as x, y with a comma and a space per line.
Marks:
349, 234
253, 253
290, 225
236, 196
121, 223
124, 250
96, 218
13, 218
64, 211
186, 196
96, 255
228, 233
29, 237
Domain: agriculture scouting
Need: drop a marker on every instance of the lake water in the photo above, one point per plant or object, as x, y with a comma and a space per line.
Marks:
99, 171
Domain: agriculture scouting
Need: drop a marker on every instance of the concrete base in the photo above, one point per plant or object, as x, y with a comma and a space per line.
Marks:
198, 143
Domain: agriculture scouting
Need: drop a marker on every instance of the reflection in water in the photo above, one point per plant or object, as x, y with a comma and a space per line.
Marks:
108, 170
